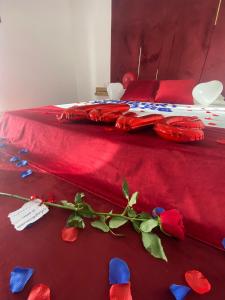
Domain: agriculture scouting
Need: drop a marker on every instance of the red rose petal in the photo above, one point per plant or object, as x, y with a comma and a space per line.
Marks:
208, 118
39, 292
197, 281
120, 292
215, 115
208, 112
69, 234
221, 141
212, 124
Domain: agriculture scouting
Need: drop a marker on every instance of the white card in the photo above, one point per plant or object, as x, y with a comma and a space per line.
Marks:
29, 213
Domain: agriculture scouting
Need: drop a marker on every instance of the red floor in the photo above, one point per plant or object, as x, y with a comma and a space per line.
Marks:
80, 270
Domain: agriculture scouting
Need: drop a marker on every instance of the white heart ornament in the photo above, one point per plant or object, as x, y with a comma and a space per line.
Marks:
208, 92
115, 91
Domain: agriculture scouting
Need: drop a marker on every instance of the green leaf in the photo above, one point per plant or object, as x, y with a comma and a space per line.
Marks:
148, 225
131, 212
67, 204
100, 225
133, 199
86, 210
125, 189
117, 222
144, 215
75, 221
136, 226
79, 198
152, 244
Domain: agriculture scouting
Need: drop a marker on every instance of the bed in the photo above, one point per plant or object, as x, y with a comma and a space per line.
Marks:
97, 158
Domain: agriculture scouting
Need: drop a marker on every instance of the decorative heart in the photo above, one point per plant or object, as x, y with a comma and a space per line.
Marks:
208, 92
198, 282
115, 91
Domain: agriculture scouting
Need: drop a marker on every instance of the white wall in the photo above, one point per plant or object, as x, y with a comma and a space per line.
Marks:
53, 51
36, 54
92, 38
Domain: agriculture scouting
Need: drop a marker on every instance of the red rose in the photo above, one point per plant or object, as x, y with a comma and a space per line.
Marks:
172, 223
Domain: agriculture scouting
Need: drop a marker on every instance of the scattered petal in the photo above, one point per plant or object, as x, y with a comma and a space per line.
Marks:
208, 112
197, 281
26, 173
208, 118
157, 211
119, 272
14, 159
215, 115
221, 141
179, 291
69, 234
212, 124
19, 277
23, 151
120, 292
22, 163
223, 243
39, 292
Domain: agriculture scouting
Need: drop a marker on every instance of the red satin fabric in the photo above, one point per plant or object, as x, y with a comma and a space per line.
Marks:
80, 270
189, 177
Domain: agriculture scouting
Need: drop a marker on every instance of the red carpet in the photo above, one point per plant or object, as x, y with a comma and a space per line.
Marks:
80, 270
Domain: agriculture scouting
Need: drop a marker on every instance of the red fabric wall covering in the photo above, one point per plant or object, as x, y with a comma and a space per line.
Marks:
215, 63
174, 36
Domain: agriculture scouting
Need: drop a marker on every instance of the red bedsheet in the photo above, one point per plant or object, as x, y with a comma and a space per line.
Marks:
189, 177
80, 270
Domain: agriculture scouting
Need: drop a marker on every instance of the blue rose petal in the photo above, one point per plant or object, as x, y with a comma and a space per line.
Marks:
119, 272
26, 173
14, 159
23, 151
223, 243
179, 291
19, 278
22, 163
157, 211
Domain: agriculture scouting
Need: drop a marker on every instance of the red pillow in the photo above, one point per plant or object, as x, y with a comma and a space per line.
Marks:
141, 90
175, 91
